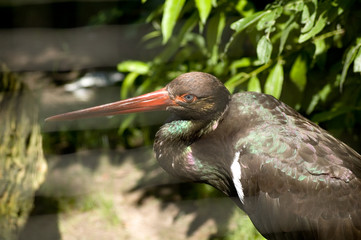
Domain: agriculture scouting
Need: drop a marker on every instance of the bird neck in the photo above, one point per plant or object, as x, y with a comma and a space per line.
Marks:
180, 152
186, 131
173, 147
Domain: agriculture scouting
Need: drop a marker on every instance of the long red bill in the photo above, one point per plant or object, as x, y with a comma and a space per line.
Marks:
157, 100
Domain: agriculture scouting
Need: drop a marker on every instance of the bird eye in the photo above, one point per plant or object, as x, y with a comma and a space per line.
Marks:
188, 98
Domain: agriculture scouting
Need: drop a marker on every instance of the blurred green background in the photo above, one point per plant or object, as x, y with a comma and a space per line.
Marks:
103, 180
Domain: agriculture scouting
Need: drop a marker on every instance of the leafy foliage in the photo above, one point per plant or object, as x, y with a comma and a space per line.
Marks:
299, 51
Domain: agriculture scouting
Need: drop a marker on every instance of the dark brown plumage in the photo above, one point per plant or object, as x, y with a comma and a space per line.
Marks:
291, 177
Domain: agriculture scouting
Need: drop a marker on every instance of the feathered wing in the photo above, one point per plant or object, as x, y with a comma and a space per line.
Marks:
299, 182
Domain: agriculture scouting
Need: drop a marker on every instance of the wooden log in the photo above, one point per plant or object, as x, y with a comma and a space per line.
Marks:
22, 163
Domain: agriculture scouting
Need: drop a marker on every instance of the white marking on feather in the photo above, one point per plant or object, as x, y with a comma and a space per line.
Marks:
236, 174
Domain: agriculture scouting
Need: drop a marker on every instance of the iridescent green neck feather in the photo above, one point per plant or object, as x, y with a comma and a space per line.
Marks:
173, 147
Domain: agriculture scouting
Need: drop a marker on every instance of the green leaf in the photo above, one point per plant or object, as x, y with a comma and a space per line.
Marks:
204, 8
320, 53
128, 84
357, 62
269, 19
236, 80
298, 73
350, 56
320, 24
254, 85
240, 63
296, 6
143, 88
214, 34
127, 121
321, 95
173, 46
245, 8
151, 35
155, 14
307, 18
243, 23
320, 47
133, 66
290, 25
172, 9
274, 81
264, 49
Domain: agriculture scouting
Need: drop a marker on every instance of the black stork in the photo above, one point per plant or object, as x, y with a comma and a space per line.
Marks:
293, 179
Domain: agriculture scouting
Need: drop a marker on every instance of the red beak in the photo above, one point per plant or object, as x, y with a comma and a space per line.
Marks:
157, 100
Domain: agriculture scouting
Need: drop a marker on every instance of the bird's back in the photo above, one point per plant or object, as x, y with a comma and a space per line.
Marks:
298, 181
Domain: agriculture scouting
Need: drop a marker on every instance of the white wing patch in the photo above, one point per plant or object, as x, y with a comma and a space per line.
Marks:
236, 176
